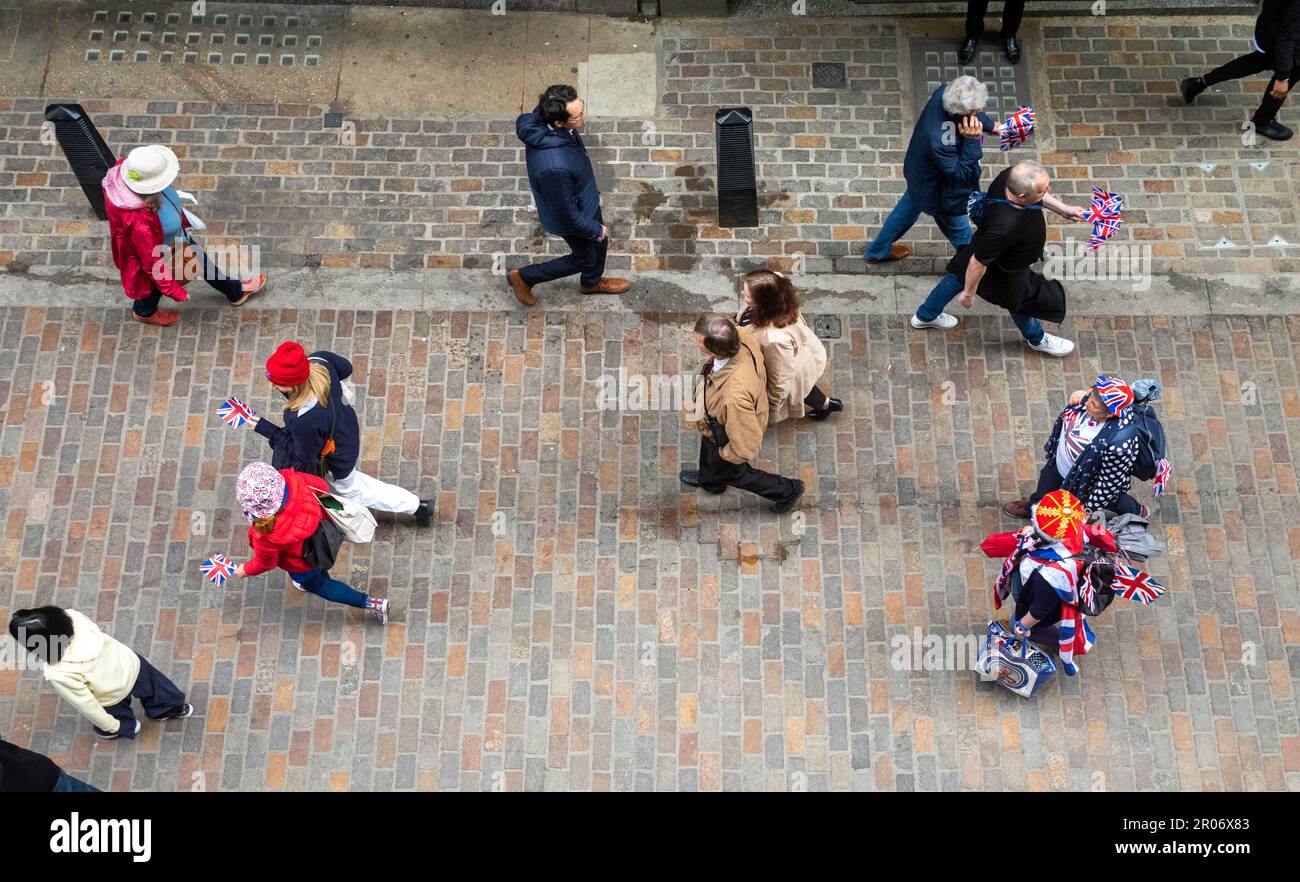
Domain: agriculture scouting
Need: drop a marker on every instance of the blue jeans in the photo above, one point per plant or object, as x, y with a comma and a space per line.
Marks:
956, 227
318, 582
69, 784
950, 286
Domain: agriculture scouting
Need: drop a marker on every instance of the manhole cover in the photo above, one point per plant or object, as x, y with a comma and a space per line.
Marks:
827, 327
829, 75
934, 63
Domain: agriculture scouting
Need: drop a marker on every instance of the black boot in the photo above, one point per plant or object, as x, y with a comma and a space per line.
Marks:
424, 513
833, 405
691, 478
966, 54
1190, 88
1012, 49
790, 501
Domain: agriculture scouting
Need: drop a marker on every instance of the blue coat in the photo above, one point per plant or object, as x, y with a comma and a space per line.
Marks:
299, 443
560, 173
941, 176
1104, 468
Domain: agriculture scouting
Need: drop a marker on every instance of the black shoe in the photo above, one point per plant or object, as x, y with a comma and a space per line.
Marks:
833, 405
787, 504
424, 513
1012, 48
691, 478
1190, 88
178, 713
966, 54
1274, 130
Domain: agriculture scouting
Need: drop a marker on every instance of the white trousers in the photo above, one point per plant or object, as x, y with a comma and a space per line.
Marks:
373, 493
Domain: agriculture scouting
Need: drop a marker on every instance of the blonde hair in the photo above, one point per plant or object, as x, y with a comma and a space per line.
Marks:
318, 385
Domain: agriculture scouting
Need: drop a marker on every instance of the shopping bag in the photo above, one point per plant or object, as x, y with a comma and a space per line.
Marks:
1014, 662
353, 520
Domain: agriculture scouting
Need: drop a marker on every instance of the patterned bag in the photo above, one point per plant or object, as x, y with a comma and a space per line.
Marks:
1014, 662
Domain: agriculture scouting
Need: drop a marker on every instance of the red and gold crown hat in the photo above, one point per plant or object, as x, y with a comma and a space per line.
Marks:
1059, 516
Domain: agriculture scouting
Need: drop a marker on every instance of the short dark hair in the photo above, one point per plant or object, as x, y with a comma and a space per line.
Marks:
554, 103
721, 336
45, 632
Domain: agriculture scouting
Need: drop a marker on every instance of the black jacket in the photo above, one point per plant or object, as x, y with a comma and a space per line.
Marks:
25, 771
300, 442
1277, 31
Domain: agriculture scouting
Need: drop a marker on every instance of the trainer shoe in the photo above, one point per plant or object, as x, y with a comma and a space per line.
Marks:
1274, 130
942, 321
424, 513
379, 608
109, 736
178, 713
1054, 345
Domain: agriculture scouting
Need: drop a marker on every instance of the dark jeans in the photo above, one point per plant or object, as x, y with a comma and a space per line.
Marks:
212, 274
318, 582
1249, 65
586, 256
950, 286
69, 784
716, 473
1012, 12
157, 694
816, 399
1050, 479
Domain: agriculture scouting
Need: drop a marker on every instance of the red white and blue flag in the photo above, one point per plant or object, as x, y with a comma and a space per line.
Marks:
1163, 468
1075, 639
1114, 393
1133, 584
1017, 128
1104, 215
235, 412
217, 569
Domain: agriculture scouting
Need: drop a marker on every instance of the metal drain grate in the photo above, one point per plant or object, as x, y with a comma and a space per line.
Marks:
827, 327
296, 39
829, 75
934, 62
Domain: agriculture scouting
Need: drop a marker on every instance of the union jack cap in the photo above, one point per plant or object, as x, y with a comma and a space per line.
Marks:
1114, 393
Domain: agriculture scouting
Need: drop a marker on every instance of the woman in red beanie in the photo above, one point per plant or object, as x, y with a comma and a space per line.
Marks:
321, 434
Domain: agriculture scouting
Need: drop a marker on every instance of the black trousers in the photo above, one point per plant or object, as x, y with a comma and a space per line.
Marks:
1012, 12
716, 474
212, 274
816, 399
158, 695
1050, 479
586, 256
1249, 65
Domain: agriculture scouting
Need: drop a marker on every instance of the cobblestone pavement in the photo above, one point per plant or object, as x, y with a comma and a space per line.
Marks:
574, 621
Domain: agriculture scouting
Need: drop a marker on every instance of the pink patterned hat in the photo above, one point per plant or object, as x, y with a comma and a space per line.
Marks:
260, 490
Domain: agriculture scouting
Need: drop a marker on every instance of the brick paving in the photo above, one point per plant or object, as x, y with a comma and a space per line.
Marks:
605, 631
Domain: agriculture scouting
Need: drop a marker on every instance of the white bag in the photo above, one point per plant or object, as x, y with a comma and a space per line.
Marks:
354, 521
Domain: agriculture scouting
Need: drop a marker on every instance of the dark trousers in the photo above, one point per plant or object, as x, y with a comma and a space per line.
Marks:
586, 256
716, 474
1012, 12
1050, 479
69, 784
1249, 65
212, 274
816, 399
158, 695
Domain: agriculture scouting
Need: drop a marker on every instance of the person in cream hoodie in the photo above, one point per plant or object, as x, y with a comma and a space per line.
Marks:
97, 674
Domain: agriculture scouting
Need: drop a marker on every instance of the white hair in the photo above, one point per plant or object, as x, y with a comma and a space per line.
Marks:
964, 96
1026, 177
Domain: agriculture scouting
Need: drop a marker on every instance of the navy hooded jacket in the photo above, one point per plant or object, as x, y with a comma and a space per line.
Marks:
941, 176
300, 442
560, 173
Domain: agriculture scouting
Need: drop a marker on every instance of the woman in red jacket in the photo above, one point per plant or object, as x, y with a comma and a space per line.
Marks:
145, 219
283, 510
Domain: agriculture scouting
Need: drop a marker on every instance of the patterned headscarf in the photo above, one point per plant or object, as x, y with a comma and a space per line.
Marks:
260, 490
1059, 517
1114, 393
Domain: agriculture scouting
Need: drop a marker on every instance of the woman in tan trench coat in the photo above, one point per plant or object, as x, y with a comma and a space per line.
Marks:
794, 357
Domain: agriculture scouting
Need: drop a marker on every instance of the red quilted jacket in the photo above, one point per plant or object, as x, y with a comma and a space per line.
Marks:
297, 520
136, 235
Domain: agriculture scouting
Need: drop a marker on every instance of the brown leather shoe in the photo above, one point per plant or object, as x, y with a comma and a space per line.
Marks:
1017, 509
251, 287
161, 317
896, 252
523, 291
609, 286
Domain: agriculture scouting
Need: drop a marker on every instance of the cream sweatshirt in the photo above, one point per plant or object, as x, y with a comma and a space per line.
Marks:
95, 671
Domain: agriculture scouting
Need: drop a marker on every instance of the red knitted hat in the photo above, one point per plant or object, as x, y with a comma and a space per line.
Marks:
288, 366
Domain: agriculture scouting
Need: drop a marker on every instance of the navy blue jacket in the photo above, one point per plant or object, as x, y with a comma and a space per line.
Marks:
298, 445
1104, 468
560, 173
942, 176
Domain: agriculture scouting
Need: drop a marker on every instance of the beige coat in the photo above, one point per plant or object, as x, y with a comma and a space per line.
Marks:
795, 361
94, 672
736, 396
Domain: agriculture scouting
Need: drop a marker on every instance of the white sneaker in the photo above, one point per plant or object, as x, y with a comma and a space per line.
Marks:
943, 322
1053, 345
381, 612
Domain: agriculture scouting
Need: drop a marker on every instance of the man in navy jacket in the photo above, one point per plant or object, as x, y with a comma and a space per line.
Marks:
942, 168
1277, 49
568, 201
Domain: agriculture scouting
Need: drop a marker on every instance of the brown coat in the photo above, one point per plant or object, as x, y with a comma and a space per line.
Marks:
736, 396
795, 360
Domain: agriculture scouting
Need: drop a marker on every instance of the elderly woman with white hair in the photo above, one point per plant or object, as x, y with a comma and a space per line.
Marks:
942, 168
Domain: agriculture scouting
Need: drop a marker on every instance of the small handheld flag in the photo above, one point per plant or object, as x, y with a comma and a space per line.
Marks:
1133, 584
217, 569
1017, 128
1162, 477
1104, 215
235, 412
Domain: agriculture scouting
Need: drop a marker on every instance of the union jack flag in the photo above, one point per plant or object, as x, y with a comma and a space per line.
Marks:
1133, 584
1017, 128
1104, 215
1075, 637
235, 412
1114, 393
1163, 469
217, 569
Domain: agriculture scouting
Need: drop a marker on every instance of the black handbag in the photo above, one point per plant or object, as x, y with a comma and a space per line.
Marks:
1045, 299
321, 548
